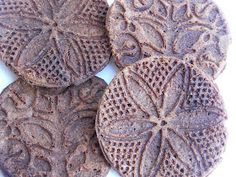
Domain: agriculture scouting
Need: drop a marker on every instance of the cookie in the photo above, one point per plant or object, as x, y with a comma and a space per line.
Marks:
161, 117
54, 43
51, 132
192, 30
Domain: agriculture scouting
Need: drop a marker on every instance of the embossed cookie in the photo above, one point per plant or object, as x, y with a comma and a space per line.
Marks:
54, 43
161, 117
193, 30
51, 133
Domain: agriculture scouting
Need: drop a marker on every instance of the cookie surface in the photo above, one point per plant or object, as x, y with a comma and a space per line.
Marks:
51, 133
54, 43
161, 117
193, 30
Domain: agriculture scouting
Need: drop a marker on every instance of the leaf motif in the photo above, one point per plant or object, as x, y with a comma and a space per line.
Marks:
85, 125
36, 134
142, 4
200, 118
45, 8
141, 94
77, 159
20, 22
161, 9
173, 92
81, 28
68, 7
183, 150
181, 13
186, 39
17, 154
152, 154
34, 48
151, 36
42, 164
131, 128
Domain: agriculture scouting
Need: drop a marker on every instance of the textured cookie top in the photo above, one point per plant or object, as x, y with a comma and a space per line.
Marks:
193, 30
51, 134
54, 43
161, 117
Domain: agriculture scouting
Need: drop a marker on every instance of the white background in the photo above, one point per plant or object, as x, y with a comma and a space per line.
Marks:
226, 83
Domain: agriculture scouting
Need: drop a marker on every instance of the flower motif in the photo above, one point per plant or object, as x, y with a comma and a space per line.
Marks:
172, 102
35, 138
54, 43
182, 29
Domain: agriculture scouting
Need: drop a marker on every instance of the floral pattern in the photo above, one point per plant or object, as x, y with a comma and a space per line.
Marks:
51, 132
54, 43
166, 109
192, 30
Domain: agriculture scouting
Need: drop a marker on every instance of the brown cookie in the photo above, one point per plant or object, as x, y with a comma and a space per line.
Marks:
51, 133
161, 117
54, 43
193, 30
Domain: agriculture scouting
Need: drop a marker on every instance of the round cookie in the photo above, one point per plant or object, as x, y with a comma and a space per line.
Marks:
161, 117
193, 30
51, 132
54, 43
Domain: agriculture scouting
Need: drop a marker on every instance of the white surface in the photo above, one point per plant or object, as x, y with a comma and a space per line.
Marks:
226, 84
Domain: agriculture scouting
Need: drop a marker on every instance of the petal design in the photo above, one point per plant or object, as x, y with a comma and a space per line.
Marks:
45, 8
131, 128
116, 95
87, 60
183, 150
84, 126
186, 39
150, 36
77, 159
32, 143
199, 118
37, 134
174, 91
181, 13
82, 28
34, 48
25, 28
152, 154
172, 165
162, 9
168, 149
70, 6
15, 154
117, 17
42, 164
141, 93
20, 22
80, 24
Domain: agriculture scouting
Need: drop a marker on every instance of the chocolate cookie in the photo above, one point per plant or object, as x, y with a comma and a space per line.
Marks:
54, 43
162, 117
193, 30
51, 133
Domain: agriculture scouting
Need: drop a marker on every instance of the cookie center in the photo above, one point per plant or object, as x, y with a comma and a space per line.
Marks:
159, 122
163, 123
52, 23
